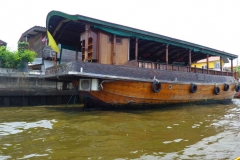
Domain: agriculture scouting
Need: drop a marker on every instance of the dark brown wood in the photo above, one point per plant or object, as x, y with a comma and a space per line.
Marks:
231, 65
220, 63
236, 75
114, 49
35, 43
92, 45
86, 42
190, 60
166, 57
98, 46
136, 49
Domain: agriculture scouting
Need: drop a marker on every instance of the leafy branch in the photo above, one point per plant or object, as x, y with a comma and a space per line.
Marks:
15, 59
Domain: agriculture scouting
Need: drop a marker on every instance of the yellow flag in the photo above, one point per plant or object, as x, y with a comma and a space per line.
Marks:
52, 43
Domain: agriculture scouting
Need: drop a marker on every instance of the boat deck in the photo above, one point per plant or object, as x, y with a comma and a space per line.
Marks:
74, 70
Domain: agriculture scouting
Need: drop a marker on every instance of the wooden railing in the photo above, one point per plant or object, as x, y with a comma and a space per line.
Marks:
170, 67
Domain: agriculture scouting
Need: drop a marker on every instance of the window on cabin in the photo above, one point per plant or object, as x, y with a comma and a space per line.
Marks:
118, 40
217, 65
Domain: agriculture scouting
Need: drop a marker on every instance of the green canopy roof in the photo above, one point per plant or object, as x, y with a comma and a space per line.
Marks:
66, 29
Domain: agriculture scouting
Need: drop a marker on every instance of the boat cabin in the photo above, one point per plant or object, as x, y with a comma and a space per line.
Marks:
108, 43
101, 47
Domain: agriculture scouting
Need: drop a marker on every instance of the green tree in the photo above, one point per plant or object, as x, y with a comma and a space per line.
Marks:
15, 59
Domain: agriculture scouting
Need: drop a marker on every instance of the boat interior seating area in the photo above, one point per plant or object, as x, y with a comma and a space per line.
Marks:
179, 66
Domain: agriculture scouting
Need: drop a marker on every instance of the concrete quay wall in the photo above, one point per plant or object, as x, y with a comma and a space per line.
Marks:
24, 89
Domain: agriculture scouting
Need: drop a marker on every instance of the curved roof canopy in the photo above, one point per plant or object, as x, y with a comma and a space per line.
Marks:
66, 29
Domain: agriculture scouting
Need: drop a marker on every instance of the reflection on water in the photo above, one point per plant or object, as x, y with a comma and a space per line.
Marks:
189, 132
17, 127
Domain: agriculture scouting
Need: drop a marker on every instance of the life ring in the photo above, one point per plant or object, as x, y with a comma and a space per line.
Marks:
156, 86
226, 87
193, 88
237, 88
216, 90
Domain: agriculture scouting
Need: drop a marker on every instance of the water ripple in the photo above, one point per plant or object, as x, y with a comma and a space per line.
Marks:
33, 155
18, 127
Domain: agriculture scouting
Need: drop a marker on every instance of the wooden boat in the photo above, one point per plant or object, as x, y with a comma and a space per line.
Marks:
123, 66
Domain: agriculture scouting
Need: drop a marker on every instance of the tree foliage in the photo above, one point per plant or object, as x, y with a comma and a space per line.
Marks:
237, 69
15, 59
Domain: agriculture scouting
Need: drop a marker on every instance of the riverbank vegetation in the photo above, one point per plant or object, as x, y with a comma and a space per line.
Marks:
16, 59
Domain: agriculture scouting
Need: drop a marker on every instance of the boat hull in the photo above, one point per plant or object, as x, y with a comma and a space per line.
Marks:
122, 93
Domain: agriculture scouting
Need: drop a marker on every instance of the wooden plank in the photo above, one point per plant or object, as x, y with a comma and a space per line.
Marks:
114, 49
124, 92
105, 49
86, 43
122, 51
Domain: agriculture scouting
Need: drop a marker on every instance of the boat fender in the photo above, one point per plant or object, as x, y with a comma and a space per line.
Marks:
237, 88
193, 88
216, 90
226, 87
156, 86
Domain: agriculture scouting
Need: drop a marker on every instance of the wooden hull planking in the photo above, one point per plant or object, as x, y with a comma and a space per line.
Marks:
139, 93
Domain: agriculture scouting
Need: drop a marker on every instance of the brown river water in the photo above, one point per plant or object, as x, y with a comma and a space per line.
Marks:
185, 132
